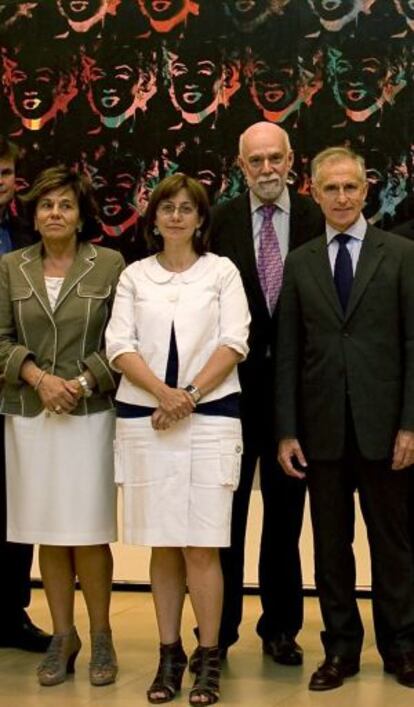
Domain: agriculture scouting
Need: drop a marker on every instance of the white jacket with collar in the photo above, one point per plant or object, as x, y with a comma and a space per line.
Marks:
207, 305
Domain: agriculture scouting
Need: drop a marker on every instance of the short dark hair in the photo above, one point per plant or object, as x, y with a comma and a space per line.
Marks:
8, 150
61, 176
168, 187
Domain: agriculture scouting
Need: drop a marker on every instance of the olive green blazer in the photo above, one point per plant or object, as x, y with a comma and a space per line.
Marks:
65, 341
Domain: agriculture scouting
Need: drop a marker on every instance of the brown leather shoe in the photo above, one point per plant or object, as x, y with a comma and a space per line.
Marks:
284, 650
332, 672
403, 668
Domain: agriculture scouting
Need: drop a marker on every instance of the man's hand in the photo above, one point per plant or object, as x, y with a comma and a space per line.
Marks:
289, 453
403, 455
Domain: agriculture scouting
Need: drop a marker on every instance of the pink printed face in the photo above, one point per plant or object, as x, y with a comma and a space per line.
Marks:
113, 88
80, 10
195, 83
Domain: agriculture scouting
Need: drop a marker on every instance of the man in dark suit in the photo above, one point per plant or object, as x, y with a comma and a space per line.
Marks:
16, 628
345, 414
265, 158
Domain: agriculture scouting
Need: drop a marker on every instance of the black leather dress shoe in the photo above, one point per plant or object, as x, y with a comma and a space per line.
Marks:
284, 650
402, 666
332, 672
26, 636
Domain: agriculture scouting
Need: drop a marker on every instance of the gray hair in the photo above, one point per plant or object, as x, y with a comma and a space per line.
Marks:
337, 154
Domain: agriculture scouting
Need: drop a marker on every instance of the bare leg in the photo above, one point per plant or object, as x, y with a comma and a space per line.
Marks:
94, 565
205, 585
58, 575
167, 570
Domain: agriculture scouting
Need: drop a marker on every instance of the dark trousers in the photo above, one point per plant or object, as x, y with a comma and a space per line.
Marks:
15, 560
383, 496
280, 577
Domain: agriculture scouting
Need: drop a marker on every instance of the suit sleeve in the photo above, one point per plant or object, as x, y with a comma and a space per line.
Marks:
407, 312
288, 355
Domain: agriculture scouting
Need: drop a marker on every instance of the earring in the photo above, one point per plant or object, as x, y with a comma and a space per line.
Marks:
156, 231
197, 233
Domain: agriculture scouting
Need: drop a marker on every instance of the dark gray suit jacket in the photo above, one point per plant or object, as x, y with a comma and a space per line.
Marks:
231, 234
366, 356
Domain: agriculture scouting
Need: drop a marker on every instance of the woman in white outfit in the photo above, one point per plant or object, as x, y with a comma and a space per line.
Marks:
179, 327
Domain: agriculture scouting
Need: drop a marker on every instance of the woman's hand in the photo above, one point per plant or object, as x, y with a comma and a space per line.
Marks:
161, 420
176, 402
57, 394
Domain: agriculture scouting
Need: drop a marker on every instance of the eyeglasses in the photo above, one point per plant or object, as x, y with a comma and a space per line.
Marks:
168, 209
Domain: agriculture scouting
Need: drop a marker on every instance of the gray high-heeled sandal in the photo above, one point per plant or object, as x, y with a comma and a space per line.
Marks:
60, 657
103, 667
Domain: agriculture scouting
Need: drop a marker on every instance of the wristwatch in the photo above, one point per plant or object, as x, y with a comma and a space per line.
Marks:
86, 390
194, 392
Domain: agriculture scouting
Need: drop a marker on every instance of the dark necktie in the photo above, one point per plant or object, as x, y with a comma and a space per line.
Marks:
269, 259
343, 272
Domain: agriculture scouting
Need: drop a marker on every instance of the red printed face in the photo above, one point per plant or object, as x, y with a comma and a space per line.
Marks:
33, 91
162, 9
80, 10
273, 88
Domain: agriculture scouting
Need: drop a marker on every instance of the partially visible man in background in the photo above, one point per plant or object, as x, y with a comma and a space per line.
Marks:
16, 628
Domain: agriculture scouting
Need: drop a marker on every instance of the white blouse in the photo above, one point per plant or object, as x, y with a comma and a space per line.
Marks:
207, 305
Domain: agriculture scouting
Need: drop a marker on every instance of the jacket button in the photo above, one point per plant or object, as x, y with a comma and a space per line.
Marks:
238, 448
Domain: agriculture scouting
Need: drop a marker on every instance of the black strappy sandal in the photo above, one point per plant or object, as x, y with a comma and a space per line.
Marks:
206, 683
173, 662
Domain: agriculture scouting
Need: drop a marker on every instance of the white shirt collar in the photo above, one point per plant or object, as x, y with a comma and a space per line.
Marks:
357, 230
283, 202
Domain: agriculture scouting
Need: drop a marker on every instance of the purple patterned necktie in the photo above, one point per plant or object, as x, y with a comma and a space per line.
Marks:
269, 261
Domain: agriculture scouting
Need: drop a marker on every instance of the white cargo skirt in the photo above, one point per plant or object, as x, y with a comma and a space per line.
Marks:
178, 483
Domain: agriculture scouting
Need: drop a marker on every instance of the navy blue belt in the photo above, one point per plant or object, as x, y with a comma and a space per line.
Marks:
227, 407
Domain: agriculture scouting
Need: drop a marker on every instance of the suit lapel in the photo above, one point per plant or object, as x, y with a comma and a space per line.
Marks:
321, 270
32, 269
372, 252
244, 246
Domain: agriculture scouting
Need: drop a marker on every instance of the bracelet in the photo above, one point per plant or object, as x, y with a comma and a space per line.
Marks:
86, 390
39, 380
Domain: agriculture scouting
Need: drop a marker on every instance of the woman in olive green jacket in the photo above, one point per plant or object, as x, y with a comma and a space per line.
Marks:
55, 299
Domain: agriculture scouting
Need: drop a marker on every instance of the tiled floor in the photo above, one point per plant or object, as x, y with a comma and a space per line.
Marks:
249, 679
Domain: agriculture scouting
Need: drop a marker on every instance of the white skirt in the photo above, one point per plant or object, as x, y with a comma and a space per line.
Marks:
60, 479
178, 483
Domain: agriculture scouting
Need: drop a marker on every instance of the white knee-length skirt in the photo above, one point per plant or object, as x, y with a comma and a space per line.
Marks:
178, 483
60, 479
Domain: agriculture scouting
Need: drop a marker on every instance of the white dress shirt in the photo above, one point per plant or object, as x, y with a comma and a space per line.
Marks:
356, 231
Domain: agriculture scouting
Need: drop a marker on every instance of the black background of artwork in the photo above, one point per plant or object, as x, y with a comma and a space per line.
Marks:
125, 162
